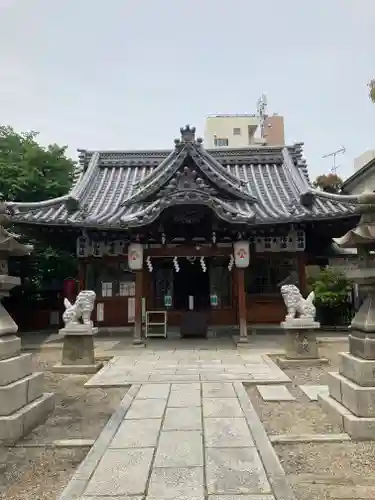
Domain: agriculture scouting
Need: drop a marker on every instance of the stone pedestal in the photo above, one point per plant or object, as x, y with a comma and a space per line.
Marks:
23, 405
301, 346
78, 350
351, 399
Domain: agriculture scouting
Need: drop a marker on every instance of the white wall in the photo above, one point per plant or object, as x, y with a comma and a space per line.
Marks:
222, 127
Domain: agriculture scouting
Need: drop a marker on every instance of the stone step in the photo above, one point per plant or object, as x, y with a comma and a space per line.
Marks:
15, 368
358, 399
10, 346
14, 426
359, 370
359, 428
18, 394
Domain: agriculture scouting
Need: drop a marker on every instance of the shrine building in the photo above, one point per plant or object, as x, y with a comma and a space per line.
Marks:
193, 231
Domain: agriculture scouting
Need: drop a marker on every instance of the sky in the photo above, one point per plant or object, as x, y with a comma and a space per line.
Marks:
122, 74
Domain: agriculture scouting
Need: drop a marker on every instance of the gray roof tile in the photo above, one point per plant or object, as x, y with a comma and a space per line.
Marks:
256, 186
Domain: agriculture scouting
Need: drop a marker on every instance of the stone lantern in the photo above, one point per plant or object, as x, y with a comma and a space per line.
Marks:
351, 399
23, 405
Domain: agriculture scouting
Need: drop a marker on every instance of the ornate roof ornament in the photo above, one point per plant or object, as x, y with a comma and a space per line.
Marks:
187, 138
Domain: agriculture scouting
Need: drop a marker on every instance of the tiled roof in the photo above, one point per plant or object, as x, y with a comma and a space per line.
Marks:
255, 185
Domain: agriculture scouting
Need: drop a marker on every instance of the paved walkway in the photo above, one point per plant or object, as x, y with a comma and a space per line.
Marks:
181, 441
185, 430
138, 366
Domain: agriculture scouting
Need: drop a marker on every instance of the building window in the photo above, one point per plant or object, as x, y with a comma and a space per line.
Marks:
110, 279
221, 142
264, 275
106, 289
236, 131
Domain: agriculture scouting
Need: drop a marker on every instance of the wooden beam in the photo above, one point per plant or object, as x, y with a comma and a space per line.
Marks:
188, 251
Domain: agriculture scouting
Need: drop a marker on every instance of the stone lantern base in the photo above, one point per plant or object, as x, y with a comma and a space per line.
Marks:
351, 399
23, 405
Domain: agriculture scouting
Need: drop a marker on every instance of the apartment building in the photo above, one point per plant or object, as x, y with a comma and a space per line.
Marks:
243, 130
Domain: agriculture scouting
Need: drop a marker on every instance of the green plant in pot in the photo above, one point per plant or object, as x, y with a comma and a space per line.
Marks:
332, 290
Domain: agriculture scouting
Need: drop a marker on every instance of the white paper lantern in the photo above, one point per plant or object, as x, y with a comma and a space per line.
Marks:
135, 256
241, 253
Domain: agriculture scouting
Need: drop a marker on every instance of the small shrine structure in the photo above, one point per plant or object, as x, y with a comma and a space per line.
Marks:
190, 231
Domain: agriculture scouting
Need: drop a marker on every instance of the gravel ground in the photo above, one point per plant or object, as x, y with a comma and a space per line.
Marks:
334, 471
301, 416
80, 413
36, 473
317, 471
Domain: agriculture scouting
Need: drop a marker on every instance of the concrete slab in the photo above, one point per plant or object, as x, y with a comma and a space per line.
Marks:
241, 497
218, 390
275, 393
312, 391
154, 391
235, 471
226, 432
146, 408
183, 419
293, 363
180, 399
187, 366
141, 433
221, 407
180, 449
121, 472
176, 483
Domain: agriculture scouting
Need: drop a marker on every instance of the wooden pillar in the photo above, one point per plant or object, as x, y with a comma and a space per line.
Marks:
137, 337
241, 297
301, 262
81, 276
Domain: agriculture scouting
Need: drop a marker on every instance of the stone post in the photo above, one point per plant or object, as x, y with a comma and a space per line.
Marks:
301, 346
23, 405
351, 398
78, 349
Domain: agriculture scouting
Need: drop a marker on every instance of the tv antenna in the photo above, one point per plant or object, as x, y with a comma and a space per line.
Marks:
334, 154
262, 113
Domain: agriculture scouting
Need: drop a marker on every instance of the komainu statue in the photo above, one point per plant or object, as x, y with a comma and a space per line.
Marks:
296, 305
80, 312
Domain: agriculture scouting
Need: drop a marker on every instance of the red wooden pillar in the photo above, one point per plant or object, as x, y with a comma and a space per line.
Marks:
241, 298
137, 337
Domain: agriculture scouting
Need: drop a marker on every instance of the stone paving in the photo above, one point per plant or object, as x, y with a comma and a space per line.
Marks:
186, 441
185, 429
138, 366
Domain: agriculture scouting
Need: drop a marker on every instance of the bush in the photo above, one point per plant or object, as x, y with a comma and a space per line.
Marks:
331, 288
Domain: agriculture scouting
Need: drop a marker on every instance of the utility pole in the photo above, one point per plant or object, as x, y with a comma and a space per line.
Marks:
334, 154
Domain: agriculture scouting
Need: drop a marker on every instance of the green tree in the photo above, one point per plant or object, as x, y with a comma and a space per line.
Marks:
372, 90
30, 172
331, 183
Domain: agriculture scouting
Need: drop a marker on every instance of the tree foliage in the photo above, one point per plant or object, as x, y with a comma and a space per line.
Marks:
30, 172
331, 183
372, 90
331, 287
